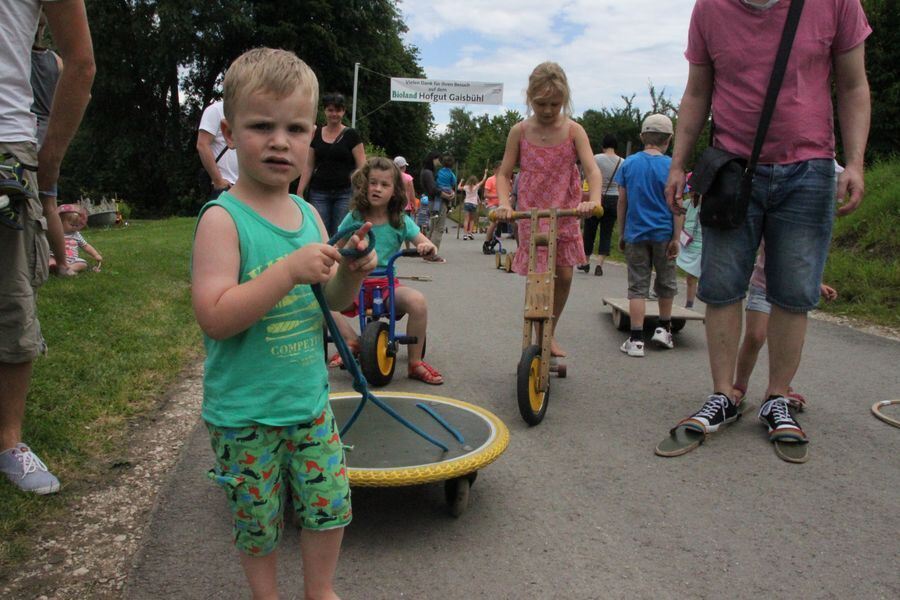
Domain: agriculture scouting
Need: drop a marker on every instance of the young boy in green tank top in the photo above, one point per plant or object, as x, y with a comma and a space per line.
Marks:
257, 250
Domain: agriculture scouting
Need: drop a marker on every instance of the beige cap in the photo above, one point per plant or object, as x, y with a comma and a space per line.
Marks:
658, 124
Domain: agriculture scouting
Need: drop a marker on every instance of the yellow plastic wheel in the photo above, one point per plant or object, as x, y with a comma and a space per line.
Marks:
532, 401
386, 454
376, 357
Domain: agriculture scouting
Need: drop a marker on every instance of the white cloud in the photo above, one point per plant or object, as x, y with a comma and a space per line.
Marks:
609, 48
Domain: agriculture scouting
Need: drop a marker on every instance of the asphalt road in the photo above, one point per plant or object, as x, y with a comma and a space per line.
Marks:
579, 506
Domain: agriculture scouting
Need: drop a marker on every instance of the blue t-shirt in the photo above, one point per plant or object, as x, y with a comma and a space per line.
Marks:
388, 239
446, 180
648, 218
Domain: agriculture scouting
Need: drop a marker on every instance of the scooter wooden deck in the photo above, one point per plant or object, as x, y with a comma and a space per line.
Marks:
621, 314
682, 440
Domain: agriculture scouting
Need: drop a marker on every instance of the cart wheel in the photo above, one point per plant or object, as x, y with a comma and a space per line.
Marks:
620, 320
497, 260
456, 491
561, 371
678, 325
509, 260
532, 401
375, 357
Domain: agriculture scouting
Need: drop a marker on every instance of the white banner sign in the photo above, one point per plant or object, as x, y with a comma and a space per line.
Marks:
455, 92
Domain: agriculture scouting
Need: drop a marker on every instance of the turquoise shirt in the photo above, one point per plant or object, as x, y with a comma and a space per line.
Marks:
273, 373
388, 239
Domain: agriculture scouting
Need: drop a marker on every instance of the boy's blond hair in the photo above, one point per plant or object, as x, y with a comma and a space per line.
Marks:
278, 72
547, 78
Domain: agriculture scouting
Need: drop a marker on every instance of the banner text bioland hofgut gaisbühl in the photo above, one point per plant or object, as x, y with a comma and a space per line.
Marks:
454, 92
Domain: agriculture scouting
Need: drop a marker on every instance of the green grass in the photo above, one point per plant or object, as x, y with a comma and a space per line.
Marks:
117, 340
864, 263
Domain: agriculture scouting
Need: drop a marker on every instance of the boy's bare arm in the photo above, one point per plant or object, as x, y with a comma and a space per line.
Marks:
224, 307
621, 213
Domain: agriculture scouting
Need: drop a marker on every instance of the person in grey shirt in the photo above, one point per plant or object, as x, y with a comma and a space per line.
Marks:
608, 162
45, 68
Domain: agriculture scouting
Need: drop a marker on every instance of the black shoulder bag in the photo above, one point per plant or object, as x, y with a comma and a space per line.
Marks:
725, 180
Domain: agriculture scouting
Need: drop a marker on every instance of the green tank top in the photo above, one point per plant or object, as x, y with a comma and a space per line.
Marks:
274, 372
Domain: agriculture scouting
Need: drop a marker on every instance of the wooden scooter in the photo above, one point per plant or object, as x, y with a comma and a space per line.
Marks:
536, 364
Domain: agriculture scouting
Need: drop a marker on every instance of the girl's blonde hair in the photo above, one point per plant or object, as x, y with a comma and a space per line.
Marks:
547, 79
359, 203
472, 180
278, 72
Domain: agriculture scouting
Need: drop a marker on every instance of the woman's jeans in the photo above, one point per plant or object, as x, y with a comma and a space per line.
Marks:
605, 224
332, 205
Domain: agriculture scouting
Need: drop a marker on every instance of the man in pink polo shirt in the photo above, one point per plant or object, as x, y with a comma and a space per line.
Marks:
731, 50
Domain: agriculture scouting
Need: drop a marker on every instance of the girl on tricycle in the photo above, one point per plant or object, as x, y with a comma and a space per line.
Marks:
379, 197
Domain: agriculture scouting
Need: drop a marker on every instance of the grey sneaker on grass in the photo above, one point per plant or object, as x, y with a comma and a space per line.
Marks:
26, 471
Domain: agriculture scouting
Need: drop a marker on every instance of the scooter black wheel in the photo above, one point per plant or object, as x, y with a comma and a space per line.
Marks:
678, 325
532, 401
456, 492
376, 357
620, 320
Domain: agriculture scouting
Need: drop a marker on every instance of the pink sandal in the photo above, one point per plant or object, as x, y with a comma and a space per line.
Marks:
336, 362
425, 372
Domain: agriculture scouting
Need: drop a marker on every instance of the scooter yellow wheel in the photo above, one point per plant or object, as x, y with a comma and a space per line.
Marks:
532, 400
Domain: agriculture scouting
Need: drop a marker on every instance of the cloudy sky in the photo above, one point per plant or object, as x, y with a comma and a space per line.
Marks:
608, 48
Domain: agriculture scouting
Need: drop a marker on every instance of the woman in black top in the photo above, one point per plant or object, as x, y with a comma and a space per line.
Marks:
334, 153
429, 188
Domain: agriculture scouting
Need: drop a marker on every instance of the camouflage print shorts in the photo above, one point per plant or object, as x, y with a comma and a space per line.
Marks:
256, 465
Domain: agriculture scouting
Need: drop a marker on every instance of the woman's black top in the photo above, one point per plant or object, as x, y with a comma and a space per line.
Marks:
334, 162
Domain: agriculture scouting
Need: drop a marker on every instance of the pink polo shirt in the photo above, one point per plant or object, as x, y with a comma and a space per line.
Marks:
740, 43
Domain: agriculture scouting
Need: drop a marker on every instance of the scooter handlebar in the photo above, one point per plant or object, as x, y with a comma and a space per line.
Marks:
542, 214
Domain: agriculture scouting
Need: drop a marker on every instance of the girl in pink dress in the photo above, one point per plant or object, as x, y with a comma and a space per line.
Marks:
546, 146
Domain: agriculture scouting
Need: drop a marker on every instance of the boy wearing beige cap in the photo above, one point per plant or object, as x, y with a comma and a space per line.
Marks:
649, 232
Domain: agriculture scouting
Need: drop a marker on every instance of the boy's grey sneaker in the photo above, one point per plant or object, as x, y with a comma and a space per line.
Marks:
718, 410
28, 472
776, 416
633, 348
663, 338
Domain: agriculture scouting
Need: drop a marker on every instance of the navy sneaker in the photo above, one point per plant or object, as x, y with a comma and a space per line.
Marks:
776, 415
718, 410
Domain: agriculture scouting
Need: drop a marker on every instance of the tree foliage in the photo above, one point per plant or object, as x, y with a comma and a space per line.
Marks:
882, 58
160, 62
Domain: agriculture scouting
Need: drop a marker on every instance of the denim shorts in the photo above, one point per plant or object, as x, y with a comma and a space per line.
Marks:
332, 205
792, 207
756, 300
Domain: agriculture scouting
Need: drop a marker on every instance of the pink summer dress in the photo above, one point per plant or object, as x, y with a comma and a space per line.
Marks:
548, 178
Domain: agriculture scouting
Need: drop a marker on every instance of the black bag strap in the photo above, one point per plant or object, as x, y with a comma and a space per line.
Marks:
222, 153
781, 60
609, 183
